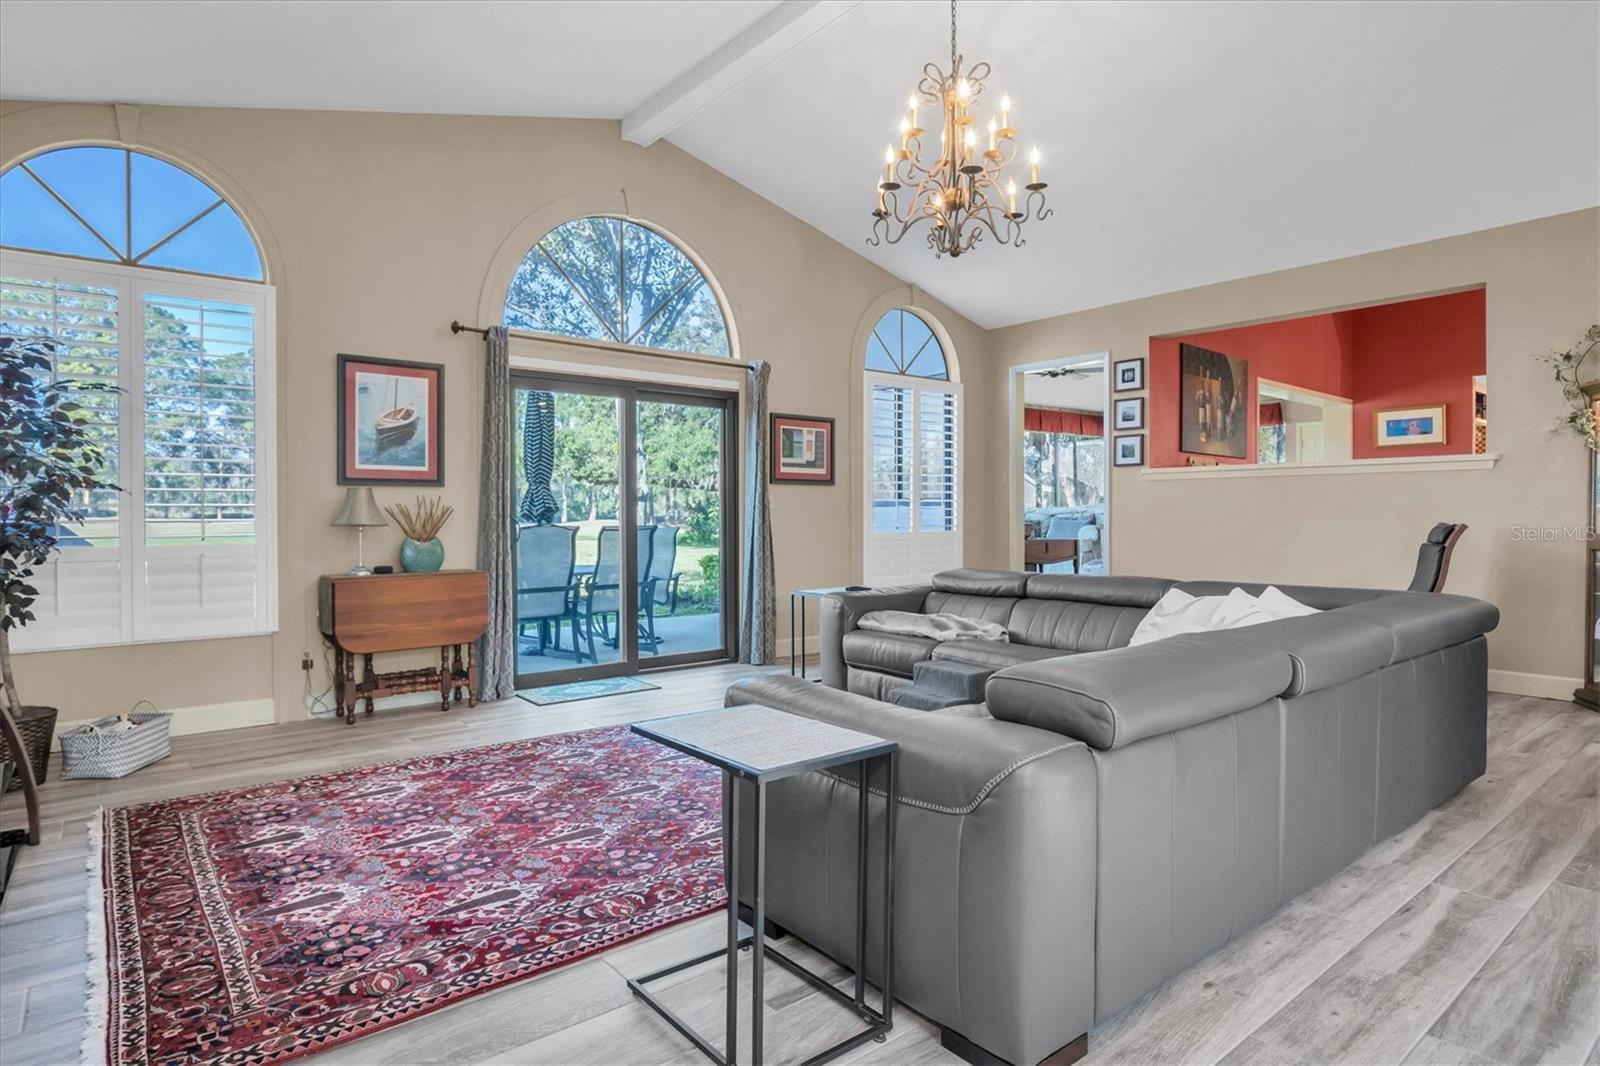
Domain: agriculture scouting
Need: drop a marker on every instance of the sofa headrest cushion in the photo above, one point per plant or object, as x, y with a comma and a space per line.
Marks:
970, 582
1325, 649
1109, 699
1111, 591
1421, 622
1323, 598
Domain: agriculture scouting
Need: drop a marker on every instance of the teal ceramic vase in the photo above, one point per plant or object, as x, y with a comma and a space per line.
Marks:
421, 557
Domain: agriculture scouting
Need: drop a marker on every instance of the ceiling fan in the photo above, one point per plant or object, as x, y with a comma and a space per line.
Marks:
1073, 371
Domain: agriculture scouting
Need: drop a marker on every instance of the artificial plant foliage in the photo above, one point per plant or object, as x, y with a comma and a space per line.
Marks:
49, 463
1569, 370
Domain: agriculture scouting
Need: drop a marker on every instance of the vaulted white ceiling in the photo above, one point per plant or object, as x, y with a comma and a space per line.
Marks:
1184, 143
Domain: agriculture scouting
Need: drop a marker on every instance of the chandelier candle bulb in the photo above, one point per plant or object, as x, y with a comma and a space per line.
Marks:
1012, 189
1005, 113
1033, 161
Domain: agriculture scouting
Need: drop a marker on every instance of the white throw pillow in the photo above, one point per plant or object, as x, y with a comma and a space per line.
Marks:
1280, 604
1178, 612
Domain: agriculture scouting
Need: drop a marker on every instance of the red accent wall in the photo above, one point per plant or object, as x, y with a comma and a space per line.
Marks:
1415, 353
1403, 354
1312, 352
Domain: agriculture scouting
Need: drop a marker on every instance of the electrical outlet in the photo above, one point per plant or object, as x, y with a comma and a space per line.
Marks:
305, 661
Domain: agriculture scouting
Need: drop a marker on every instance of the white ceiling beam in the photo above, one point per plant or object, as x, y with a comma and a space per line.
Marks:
764, 42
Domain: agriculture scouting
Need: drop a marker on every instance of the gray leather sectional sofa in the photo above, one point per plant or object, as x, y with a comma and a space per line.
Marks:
1110, 815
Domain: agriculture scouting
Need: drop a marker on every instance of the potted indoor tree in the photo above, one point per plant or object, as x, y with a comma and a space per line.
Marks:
49, 463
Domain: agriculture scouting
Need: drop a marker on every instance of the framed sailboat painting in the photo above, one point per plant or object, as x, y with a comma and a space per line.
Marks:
391, 422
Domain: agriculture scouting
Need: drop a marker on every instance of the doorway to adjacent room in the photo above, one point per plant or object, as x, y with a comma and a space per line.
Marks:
1061, 433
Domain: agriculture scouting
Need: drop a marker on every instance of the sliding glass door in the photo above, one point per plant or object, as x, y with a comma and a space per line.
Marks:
623, 510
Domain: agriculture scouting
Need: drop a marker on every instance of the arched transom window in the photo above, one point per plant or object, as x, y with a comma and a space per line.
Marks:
902, 343
122, 206
124, 270
616, 281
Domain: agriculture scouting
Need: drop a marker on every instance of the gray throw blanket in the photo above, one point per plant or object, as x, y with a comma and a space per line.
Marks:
940, 627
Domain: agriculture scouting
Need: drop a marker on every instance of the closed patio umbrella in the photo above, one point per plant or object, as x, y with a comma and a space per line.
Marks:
538, 458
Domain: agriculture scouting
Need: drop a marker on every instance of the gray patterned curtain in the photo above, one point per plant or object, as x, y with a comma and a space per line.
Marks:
497, 660
758, 607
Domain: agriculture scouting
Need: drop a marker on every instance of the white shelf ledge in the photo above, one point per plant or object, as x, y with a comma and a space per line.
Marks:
1435, 464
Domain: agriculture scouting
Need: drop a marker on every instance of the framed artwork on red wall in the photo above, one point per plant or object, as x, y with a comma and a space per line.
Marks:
802, 450
1409, 425
391, 422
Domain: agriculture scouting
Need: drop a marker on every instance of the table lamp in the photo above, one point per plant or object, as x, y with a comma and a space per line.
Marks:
360, 510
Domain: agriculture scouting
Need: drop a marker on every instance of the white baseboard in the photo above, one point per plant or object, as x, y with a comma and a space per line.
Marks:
1547, 686
204, 718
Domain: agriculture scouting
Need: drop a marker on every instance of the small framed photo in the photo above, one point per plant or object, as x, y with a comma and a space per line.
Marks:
1401, 426
1130, 414
1127, 375
802, 450
1128, 449
391, 422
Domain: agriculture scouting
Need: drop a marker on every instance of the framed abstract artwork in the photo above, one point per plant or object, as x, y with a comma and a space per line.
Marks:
1214, 403
391, 422
1129, 414
1127, 375
1399, 426
1128, 449
802, 450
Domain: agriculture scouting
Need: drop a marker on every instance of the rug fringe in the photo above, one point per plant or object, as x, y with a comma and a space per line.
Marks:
92, 1052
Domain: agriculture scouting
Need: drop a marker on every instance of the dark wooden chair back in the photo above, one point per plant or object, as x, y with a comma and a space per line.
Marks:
1433, 558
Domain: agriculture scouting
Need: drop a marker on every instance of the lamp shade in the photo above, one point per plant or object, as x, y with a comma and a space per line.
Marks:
360, 508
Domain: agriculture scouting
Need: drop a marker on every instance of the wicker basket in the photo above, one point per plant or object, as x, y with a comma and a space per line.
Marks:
94, 751
36, 725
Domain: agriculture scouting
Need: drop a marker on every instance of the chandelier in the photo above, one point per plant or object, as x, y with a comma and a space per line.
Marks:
960, 194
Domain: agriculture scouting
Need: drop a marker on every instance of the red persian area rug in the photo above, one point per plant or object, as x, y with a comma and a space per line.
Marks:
263, 924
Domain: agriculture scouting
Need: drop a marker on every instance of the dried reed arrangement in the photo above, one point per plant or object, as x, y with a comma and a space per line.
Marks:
423, 524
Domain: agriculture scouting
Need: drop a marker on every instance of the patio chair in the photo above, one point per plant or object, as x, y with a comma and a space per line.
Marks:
663, 557
545, 557
599, 595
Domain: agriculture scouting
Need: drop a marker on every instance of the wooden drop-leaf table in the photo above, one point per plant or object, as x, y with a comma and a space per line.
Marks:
367, 616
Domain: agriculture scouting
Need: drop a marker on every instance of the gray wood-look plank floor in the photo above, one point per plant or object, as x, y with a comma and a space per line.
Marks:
1472, 937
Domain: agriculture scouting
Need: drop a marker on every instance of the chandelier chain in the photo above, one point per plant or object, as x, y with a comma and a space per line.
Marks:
952, 36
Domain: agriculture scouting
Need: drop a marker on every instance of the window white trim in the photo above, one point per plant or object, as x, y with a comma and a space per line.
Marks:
916, 554
62, 623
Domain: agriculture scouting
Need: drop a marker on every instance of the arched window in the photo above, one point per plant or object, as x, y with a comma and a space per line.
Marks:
613, 280
126, 207
129, 271
913, 462
902, 343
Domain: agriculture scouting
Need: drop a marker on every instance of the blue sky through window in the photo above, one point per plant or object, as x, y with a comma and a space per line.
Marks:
178, 221
902, 343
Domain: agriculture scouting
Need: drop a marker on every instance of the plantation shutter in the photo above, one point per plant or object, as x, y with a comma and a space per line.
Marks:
913, 526
199, 467
186, 549
82, 587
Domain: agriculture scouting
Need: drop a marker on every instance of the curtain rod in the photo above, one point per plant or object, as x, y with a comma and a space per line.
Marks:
457, 327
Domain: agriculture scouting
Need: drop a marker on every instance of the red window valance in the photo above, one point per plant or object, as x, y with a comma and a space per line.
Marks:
1055, 420
1272, 414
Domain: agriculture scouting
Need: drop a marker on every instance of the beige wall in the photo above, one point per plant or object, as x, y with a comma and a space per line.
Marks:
382, 228
1543, 291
